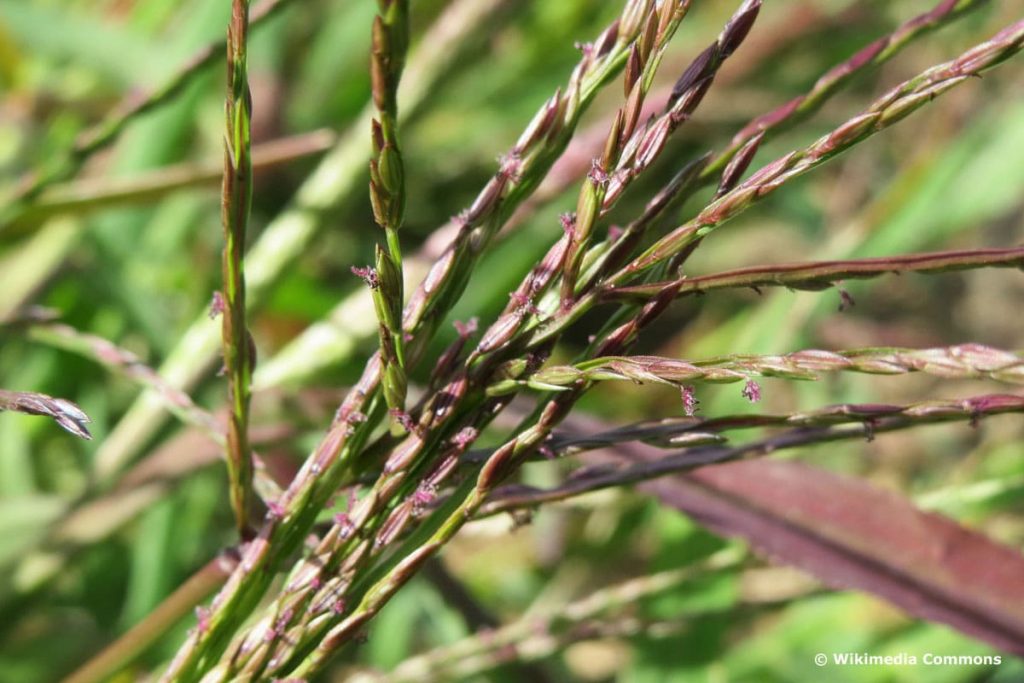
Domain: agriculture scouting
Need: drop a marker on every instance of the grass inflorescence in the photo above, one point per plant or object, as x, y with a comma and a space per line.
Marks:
345, 509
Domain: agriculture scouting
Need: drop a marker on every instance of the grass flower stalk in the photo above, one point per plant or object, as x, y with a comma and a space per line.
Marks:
624, 141
873, 54
239, 349
505, 459
686, 432
405, 459
398, 474
342, 540
873, 420
962, 361
819, 275
387, 193
726, 167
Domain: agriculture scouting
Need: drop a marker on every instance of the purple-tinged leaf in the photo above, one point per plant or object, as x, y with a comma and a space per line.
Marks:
850, 534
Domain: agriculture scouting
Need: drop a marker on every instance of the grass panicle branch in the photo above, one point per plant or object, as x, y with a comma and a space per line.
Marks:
892, 107
871, 419
387, 193
236, 200
639, 150
377, 588
628, 148
408, 452
343, 540
895, 105
727, 167
687, 432
962, 361
832, 81
819, 275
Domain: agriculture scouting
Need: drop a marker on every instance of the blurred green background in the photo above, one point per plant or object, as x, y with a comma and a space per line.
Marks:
140, 272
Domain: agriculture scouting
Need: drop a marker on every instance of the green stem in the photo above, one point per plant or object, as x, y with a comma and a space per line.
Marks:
239, 353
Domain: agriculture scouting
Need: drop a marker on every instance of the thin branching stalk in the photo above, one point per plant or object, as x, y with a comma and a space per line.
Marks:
347, 578
892, 107
874, 419
287, 621
659, 29
819, 275
687, 432
875, 53
727, 167
630, 147
629, 150
642, 146
375, 589
277, 247
962, 361
387, 193
503, 460
239, 350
